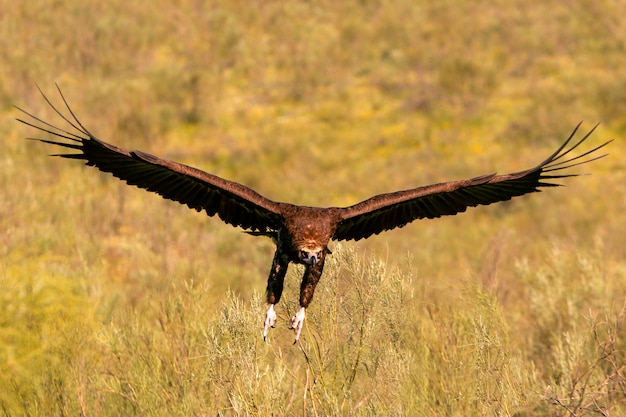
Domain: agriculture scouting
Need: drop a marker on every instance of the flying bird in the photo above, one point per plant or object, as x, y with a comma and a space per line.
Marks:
301, 233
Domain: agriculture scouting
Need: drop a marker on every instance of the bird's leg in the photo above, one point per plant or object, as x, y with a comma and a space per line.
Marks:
311, 277
274, 290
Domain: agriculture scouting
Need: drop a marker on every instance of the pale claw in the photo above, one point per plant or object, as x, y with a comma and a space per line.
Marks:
270, 320
296, 323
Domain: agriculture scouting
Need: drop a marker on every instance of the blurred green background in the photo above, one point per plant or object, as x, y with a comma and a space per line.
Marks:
115, 302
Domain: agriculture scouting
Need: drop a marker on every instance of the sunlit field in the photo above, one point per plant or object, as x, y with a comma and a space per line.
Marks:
115, 302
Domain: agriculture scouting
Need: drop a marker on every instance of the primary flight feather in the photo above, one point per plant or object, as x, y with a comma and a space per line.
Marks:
302, 233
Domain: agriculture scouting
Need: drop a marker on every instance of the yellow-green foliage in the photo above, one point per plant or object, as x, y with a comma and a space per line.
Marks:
115, 302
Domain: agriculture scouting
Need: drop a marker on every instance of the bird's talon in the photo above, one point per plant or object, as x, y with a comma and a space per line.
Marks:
297, 321
270, 320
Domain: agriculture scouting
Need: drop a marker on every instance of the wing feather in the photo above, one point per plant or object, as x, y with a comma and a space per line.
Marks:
234, 203
388, 211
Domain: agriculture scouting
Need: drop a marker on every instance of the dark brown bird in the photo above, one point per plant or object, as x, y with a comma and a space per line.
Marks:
302, 233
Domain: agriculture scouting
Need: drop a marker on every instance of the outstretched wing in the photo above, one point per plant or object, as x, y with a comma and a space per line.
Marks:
234, 203
388, 211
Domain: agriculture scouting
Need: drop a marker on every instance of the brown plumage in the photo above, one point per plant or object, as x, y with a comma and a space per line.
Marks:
302, 233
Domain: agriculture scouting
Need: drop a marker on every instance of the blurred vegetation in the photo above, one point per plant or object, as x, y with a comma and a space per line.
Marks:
115, 302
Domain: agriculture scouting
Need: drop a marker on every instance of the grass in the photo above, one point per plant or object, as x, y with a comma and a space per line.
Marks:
114, 302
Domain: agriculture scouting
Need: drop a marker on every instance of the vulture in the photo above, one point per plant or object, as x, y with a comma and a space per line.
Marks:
301, 233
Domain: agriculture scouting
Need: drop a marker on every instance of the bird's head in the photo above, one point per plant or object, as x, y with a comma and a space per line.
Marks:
310, 257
